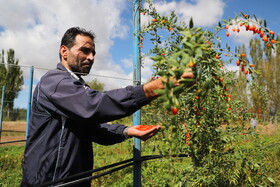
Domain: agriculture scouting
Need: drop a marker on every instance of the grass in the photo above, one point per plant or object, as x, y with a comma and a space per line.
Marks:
264, 149
10, 165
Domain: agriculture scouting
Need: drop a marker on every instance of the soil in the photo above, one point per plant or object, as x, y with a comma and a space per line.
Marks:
13, 131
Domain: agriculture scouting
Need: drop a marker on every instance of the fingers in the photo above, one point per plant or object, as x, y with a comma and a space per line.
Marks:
143, 135
188, 74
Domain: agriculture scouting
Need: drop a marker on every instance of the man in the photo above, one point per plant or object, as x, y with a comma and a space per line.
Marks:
254, 123
67, 116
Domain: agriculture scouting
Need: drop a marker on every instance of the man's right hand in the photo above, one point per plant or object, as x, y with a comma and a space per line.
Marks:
143, 135
157, 84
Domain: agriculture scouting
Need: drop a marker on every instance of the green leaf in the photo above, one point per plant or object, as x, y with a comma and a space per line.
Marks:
160, 92
191, 23
250, 179
156, 58
256, 165
179, 89
255, 17
199, 52
187, 81
271, 180
264, 23
173, 62
171, 72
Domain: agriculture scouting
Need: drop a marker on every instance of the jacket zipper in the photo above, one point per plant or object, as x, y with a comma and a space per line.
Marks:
63, 119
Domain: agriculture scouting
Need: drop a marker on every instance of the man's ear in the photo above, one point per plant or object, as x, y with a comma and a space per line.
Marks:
64, 52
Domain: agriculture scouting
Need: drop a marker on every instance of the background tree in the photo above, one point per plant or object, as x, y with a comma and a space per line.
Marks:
10, 76
258, 96
265, 96
239, 90
95, 84
272, 78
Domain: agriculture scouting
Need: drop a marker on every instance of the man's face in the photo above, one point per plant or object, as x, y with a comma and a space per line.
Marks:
81, 55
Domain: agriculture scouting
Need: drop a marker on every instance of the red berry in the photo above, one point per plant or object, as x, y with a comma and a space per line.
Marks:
237, 62
174, 111
265, 38
261, 33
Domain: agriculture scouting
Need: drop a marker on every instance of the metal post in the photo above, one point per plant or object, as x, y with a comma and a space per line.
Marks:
137, 81
29, 100
276, 122
2, 110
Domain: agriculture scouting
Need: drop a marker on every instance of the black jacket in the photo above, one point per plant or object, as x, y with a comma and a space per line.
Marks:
67, 116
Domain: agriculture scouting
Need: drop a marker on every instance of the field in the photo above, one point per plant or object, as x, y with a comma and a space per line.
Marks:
154, 172
13, 131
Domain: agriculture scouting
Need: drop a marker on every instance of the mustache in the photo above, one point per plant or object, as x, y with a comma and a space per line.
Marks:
87, 62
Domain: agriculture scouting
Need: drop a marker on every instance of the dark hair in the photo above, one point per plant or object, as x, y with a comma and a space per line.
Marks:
69, 36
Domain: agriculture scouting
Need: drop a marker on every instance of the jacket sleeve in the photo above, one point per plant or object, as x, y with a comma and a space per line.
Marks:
107, 134
68, 97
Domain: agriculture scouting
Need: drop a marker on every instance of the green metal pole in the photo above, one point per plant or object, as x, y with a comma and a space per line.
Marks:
2, 110
137, 81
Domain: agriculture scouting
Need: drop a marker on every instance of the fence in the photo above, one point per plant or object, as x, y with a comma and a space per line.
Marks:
12, 119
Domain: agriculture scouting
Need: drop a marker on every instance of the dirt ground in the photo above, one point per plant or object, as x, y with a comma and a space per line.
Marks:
14, 131
267, 129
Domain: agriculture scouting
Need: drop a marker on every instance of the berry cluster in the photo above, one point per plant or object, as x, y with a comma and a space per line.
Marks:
268, 36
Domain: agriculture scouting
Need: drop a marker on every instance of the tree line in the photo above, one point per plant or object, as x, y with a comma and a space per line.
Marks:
11, 77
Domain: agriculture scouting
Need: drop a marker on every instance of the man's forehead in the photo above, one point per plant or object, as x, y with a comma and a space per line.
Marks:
81, 40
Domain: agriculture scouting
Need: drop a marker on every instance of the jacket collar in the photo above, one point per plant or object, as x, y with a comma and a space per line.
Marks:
60, 66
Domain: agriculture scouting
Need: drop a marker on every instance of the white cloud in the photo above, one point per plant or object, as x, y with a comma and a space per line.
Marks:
232, 67
205, 13
147, 70
33, 28
127, 62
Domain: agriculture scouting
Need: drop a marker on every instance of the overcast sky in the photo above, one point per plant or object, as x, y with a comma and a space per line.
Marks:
33, 28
